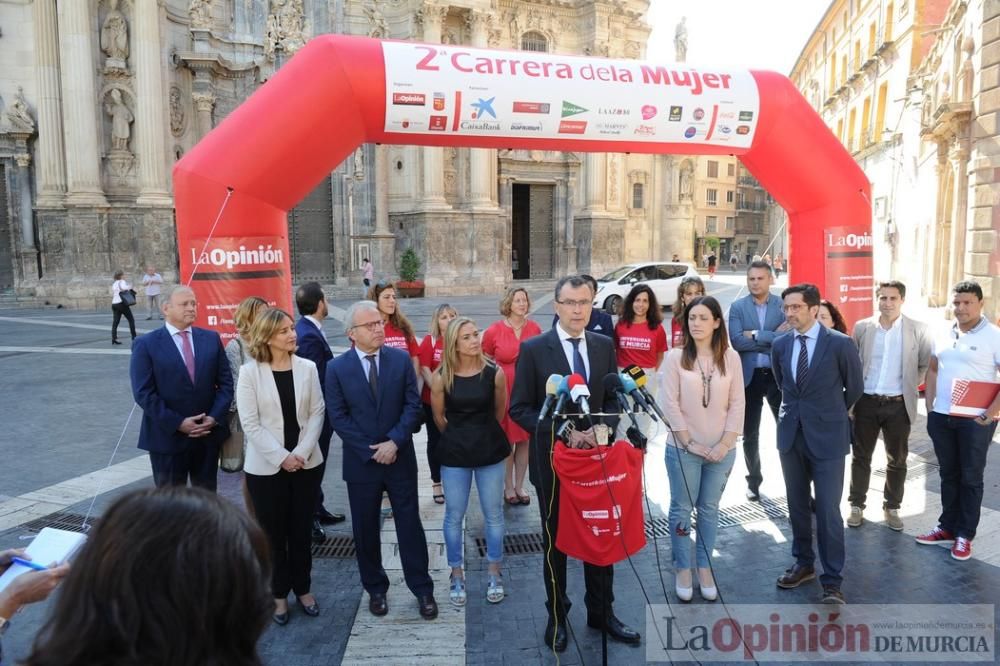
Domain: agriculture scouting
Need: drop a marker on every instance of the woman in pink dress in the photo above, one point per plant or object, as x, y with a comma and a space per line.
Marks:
502, 342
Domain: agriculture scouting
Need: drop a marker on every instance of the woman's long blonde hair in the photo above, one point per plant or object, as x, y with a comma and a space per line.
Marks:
263, 329
449, 352
246, 312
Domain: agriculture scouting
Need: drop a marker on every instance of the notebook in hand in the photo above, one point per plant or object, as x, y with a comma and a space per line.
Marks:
50, 547
970, 398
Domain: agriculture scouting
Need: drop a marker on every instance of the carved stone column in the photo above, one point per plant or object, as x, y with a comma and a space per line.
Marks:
959, 157
50, 169
382, 191
595, 165
149, 106
432, 16
481, 159
24, 187
76, 44
203, 105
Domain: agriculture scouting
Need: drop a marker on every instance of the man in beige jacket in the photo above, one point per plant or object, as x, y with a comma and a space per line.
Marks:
895, 351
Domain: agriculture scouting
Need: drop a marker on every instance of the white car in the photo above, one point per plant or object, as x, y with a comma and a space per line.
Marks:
663, 277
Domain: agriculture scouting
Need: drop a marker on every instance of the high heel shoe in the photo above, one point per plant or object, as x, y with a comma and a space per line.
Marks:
685, 594
708, 592
312, 610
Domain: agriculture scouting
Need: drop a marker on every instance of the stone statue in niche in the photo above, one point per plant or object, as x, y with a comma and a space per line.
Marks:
290, 18
121, 121
200, 14
965, 76
945, 90
685, 181
114, 37
18, 115
177, 119
379, 27
359, 163
272, 36
515, 26
681, 41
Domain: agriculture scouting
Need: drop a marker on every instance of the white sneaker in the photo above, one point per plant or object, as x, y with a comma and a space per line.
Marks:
892, 520
857, 517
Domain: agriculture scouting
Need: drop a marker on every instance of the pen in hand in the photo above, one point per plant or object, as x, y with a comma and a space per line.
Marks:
29, 564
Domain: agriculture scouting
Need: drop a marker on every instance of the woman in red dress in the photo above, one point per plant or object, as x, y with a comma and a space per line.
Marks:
502, 342
430, 359
689, 289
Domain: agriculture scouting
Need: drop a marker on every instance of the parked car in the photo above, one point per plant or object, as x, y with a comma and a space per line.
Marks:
663, 277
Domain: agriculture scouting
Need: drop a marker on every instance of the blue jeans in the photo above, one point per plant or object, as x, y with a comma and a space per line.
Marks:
961, 446
457, 484
693, 477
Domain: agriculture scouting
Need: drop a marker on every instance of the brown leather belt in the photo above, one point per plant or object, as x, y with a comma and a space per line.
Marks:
884, 398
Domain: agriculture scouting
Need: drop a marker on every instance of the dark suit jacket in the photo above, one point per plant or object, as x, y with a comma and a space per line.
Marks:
162, 388
313, 346
833, 384
542, 356
362, 419
743, 317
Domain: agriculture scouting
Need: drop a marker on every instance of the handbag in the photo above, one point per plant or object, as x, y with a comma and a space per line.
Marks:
127, 296
232, 452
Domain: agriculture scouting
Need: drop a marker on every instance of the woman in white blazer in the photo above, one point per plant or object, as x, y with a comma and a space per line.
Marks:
281, 407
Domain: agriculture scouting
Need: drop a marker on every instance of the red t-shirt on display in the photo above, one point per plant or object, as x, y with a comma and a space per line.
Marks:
637, 345
395, 338
430, 358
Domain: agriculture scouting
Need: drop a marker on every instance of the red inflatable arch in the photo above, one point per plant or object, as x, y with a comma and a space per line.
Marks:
340, 92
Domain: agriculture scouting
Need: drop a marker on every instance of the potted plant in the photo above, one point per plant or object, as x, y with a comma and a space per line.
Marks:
408, 285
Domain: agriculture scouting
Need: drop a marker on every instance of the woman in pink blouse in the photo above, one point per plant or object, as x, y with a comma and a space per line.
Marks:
703, 401
502, 342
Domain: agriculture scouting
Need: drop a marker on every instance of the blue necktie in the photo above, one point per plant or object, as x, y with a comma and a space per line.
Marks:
578, 366
802, 369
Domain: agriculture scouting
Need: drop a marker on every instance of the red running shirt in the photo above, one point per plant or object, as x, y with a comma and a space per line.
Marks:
637, 345
593, 527
395, 338
430, 358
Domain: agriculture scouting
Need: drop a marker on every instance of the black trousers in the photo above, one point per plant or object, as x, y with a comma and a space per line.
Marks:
121, 310
433, 437
761, 386
598, 580
872, 416
199, 465
324, 447
284, 505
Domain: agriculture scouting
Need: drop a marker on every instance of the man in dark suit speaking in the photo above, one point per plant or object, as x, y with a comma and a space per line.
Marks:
819, 373
181, 380
566, 348
373, 404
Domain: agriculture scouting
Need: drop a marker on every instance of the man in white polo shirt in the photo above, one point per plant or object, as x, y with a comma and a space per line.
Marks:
969, 350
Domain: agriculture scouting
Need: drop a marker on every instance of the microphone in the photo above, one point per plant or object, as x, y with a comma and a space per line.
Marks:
579, 392
629, 386
551, 395
613, 384
562, 391
640, 380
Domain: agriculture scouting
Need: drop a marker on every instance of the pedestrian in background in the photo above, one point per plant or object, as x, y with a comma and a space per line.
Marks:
119, 307
152, 281
689, 289
469, 398
281, 409
368, 272
502, 343
430, 358
702, 398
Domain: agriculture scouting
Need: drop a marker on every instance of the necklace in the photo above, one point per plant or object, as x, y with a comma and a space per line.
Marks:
706, 383
517, 329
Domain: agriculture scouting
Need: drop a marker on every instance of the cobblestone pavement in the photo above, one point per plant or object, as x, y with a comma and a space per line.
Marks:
66, 399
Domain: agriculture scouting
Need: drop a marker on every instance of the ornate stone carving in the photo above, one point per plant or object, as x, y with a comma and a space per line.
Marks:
359, 163
613, 180
633, 49
429, 12
516, 23
178, 120
200, 14
114, 37
379, 28
681, 40
121, 121
684, 189
18, 115
285, 28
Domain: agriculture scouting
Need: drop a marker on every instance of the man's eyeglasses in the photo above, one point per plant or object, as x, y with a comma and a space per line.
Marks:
574, 304
372, 326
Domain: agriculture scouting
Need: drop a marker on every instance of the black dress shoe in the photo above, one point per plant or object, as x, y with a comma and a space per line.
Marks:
833, 595
616, 629
312, 610
428, 607
280, 619
377, 604
555, 636
327, 518
115, 342
318, 535
753, 495
795, 576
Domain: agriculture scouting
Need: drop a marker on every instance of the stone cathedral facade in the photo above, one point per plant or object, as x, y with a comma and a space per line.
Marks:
101, 97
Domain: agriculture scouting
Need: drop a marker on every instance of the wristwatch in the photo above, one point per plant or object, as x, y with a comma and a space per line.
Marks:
753, 334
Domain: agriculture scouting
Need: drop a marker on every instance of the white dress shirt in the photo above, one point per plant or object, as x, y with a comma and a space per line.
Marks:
364, 361
567, 346
178, 340
885, 370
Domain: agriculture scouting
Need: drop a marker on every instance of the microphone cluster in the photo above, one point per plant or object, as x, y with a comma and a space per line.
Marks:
561, 391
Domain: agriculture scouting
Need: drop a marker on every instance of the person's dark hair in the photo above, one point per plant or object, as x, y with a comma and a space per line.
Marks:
397, 318
839, 324
364, 259
119, 275
592, 280
810, 294
308, 297
894, 284
691, 280
575, 281
720, 340
168, 576
654, 317
759, 263
968, 287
